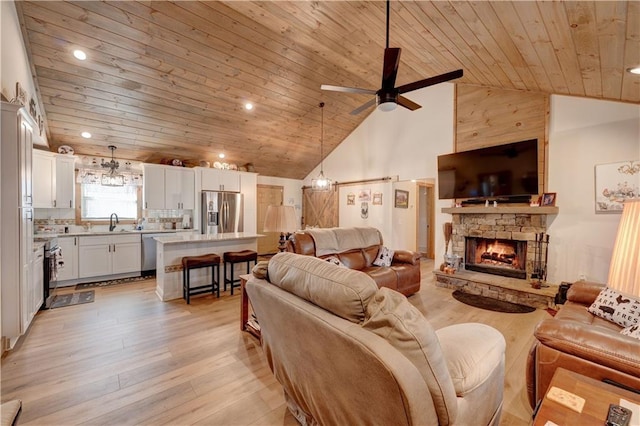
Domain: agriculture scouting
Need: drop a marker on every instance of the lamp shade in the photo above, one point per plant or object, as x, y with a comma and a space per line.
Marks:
280, 219
624, 272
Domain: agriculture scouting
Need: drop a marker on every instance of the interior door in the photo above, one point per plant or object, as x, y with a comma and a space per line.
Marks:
425, 238
319, 208
268, 195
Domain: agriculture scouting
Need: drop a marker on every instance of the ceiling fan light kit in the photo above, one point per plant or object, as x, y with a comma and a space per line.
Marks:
388, 97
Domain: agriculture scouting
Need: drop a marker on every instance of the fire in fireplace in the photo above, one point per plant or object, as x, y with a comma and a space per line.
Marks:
496, 256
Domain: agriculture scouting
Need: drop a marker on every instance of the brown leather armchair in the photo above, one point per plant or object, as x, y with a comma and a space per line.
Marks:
403, 275
578, 341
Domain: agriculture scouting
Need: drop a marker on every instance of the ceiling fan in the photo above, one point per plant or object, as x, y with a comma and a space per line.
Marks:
389, 96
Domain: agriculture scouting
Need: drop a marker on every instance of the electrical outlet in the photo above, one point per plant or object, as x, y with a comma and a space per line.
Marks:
582, 277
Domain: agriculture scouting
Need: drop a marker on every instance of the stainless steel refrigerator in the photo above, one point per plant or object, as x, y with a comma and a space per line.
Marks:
221, 212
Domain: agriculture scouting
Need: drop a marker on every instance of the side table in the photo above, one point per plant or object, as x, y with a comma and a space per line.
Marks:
597, 395
246, 324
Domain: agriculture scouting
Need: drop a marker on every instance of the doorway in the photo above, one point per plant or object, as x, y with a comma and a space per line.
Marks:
425, 237
268, 195
319, 208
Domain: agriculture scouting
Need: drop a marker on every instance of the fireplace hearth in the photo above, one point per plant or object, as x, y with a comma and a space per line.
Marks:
496, 256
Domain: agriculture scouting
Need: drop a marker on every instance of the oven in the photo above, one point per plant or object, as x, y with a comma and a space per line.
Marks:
52, 261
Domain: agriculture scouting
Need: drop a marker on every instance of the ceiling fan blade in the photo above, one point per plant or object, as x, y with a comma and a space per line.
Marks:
364, 106
407, 103
347, 89
390, 67
430, 81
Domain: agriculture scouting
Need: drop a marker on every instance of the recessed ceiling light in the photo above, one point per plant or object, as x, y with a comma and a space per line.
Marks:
79, 54
221, 155
634, 70
85, 135
248, 106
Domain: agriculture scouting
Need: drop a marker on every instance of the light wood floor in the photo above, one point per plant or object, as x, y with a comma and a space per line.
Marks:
128, 358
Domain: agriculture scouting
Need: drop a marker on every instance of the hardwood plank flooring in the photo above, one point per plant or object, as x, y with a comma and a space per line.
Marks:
129, 358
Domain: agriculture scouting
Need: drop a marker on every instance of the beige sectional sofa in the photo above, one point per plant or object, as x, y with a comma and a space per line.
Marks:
347, 352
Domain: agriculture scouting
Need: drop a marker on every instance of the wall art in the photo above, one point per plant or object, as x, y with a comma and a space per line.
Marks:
377, 198
351, 199
401, 199
21, 95
615, 183
364, 195
364, 210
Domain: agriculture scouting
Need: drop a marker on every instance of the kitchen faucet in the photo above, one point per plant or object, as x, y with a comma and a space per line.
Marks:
111, 224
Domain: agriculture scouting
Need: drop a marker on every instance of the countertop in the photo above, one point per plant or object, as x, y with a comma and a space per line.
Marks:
196, 238
47, 235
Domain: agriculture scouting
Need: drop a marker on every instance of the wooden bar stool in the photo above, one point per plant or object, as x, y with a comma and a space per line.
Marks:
233, 257
193, 262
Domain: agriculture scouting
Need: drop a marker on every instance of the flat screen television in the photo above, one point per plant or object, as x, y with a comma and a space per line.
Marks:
496, 172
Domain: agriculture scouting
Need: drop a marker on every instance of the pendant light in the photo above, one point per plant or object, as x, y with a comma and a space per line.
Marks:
112, 178
321, 183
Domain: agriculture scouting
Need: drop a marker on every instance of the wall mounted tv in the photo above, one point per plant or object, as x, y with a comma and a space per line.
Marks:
507, 171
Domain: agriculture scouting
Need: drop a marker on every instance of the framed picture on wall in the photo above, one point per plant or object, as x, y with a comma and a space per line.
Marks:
401, 199
364, 195
377, 198
351, 199
615, 183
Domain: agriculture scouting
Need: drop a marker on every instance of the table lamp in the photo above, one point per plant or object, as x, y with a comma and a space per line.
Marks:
624, 272
280, 219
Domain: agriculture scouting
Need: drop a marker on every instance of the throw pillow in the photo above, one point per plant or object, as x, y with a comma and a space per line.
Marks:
384, 258
334, 260
615, 307
631, 331
261, 270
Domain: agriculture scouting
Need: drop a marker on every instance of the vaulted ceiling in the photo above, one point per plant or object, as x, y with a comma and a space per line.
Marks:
169, 80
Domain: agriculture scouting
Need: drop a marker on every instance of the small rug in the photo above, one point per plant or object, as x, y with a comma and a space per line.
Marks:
70, 299
490, 304
113, 282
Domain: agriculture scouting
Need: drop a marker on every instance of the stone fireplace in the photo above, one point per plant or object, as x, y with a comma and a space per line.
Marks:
498, 250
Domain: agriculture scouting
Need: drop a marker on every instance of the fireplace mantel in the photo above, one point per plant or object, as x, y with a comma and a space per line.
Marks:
501, 210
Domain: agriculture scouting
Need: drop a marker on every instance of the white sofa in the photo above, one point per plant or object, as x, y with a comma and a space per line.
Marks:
347, 352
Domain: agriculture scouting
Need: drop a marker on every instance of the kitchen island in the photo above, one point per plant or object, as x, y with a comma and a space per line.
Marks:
171, 250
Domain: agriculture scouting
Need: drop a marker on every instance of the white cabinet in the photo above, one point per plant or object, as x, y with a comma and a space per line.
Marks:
36, 292
168, 188
44, 179
220, 180
69, 248
65, 182
101, 255
179, 188
54, 180
16, 231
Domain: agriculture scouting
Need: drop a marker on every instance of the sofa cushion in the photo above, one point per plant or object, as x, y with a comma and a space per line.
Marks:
343, 292
384, 258
618, 308
337, 240
392, 317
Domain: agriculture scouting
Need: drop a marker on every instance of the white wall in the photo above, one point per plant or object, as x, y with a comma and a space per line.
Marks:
583, 133
292, 192
403, 144
377, 216
14, 63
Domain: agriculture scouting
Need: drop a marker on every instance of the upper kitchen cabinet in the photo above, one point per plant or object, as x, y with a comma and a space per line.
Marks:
44, 180
220, 180
65, 182
168, 187
54, 182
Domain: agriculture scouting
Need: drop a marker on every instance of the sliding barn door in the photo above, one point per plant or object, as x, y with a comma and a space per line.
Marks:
319, 208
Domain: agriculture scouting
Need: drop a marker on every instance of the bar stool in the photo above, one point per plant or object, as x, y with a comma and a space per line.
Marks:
193, 262
233, 257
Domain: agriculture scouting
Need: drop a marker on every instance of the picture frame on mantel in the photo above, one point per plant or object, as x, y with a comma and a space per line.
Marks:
615, 183
548, 199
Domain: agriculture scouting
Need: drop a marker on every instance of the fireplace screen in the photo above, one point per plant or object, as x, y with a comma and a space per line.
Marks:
496, 256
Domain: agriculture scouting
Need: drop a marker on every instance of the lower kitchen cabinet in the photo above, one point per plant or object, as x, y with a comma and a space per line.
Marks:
109, 255
69, 248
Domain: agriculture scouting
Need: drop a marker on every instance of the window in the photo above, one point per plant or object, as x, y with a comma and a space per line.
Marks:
98, 201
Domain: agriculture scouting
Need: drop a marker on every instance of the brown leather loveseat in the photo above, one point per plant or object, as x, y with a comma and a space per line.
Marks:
581, 342
357, 248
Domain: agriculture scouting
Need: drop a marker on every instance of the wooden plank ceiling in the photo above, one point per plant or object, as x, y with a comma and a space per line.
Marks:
169, 80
